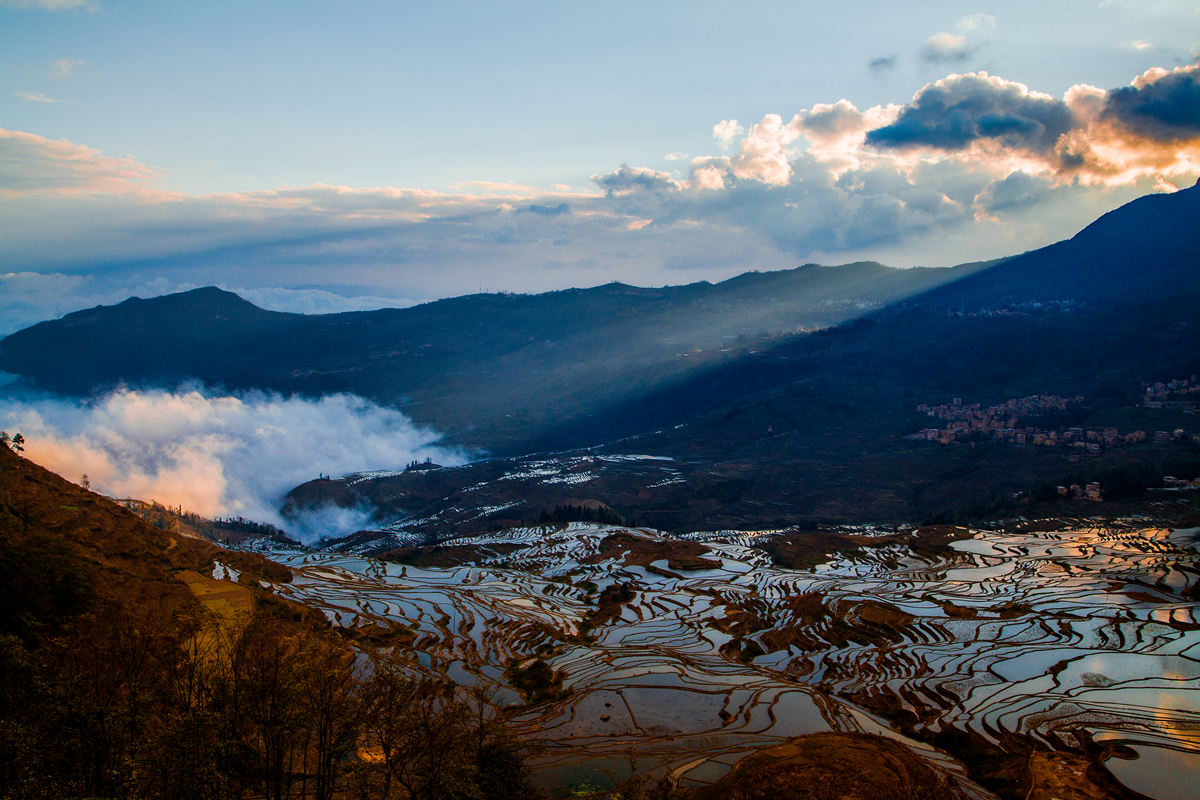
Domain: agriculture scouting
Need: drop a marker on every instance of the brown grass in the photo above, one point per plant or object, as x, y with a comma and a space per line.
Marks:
832, 766
639, 551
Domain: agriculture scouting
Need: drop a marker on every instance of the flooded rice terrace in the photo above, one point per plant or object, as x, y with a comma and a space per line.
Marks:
1061, 636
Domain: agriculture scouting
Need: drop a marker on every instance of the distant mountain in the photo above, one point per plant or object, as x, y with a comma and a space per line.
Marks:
491, 367
514, 373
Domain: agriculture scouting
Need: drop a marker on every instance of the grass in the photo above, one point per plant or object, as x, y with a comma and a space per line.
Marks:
230, 602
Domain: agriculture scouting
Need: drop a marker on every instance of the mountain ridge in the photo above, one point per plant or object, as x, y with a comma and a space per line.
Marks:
502, 372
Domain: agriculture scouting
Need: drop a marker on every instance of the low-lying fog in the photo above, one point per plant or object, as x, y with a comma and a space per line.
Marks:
219, 454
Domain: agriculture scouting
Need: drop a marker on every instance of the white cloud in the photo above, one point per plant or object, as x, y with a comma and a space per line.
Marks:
30, 297
676, 156
315, 301
35, 97
764, 154
973, 22
945, 48
64, 67
217, 455
33, 164
709, 173
726, 131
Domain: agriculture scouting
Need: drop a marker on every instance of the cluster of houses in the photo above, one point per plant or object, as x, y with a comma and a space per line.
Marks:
1091, 492
1173, 393
994, 422
1170, 482
1000, 423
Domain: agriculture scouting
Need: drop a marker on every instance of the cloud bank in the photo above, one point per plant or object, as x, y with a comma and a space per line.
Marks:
972, 167
220, 455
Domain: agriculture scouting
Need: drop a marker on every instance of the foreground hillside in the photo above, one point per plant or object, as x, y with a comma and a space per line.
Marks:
129, 672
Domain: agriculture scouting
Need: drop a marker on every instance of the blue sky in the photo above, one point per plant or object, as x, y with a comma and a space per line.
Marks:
319, 156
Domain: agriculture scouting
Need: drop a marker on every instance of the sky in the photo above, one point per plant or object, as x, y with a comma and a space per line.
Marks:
320, 157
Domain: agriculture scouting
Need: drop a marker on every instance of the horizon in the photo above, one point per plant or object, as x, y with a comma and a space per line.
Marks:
152, 150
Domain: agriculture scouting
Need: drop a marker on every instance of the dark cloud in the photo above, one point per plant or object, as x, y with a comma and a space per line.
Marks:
954, 113
1018, 191
1167, 110
882, 64
628, 178
548, 211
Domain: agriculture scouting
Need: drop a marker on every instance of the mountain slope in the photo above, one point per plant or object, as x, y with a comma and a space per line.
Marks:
63, 548
509, 373
1145, 249
483, 365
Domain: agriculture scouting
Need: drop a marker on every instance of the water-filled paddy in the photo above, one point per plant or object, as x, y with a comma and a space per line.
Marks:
1043, 634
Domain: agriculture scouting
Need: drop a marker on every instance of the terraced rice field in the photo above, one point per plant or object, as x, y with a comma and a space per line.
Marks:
1054, 635
220, 594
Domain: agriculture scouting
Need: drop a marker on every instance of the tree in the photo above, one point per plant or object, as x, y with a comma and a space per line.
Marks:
18, 443
327, 682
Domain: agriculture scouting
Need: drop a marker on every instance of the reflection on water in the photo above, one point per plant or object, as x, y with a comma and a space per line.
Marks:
1159, 773
1038, 633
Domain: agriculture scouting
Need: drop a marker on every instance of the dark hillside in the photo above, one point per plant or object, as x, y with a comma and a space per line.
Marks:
492, 367
814, 429
1146, 249
172, 338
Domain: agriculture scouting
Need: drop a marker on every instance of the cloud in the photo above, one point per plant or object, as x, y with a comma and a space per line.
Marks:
763, 153
762, 156
218, 455
882, 64
676, 156
31, 164
726, 131
971, 167
30, 297
548, 211
626, 179
945, 48
64, 67
1150, 129
35, 97
1018, 191
1161, 106
956, 112
973, 22
836, 131
709, 173
314, 301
